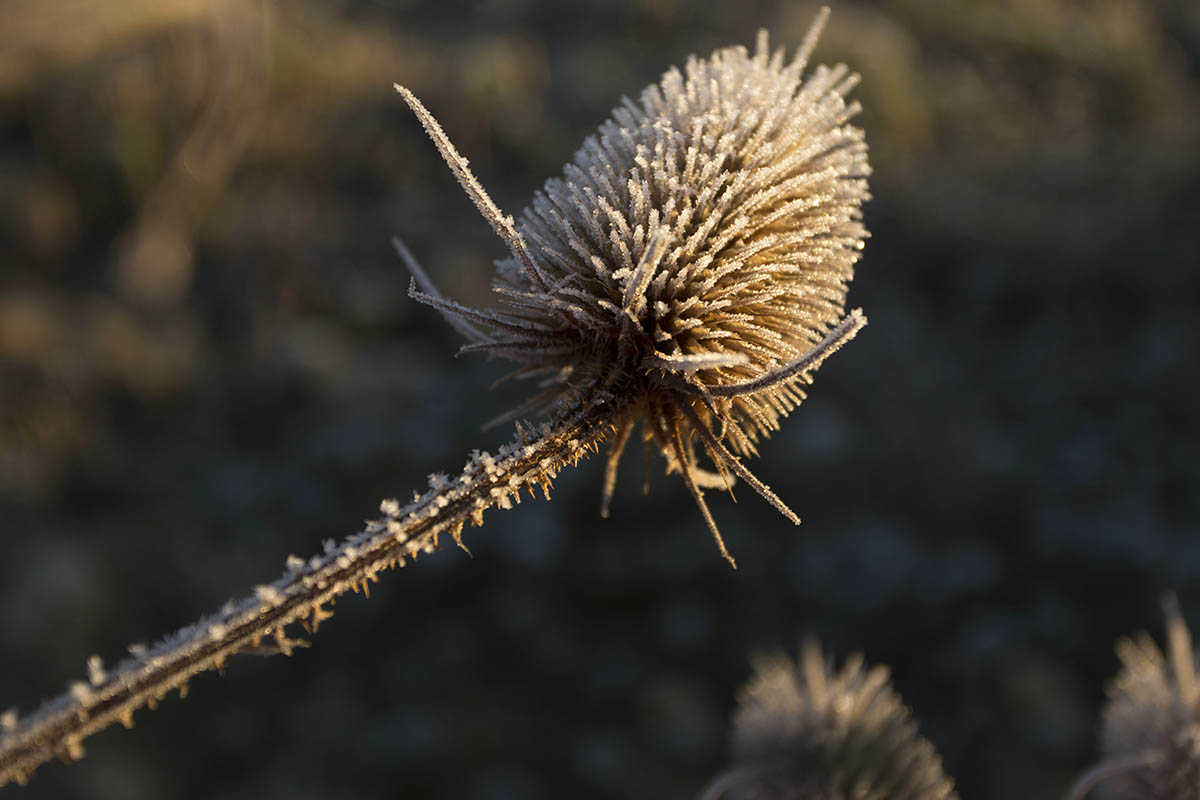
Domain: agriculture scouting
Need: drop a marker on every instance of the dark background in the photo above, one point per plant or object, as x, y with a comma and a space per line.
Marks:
208, 361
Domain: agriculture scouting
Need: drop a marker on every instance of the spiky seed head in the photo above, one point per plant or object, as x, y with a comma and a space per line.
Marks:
1150, 734
690, 266
803, 731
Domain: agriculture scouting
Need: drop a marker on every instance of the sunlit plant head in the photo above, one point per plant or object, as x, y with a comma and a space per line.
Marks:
689, 268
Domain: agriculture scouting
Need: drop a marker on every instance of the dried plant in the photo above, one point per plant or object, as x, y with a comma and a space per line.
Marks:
805, 732
688, 270
1150, 734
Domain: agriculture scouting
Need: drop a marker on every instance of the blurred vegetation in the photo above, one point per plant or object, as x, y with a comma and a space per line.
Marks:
208, 360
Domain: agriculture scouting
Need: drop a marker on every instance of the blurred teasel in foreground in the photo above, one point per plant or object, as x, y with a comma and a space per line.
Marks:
1150, 734
804, 731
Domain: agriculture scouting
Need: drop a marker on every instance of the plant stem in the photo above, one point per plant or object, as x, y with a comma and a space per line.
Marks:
531, 460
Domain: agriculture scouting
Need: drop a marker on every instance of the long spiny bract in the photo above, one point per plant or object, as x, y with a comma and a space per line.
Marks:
302, 594
693, 257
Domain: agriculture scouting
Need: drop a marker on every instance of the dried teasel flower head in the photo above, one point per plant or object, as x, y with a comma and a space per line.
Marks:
689, 269
1150, 734
805, 732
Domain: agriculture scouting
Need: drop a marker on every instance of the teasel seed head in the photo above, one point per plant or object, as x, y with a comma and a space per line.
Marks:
803, 731
1150, 734
689, 268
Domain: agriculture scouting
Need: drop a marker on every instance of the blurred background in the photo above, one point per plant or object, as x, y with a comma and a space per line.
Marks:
208, 361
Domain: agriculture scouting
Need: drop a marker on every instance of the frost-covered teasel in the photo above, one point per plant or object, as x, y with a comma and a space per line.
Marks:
688, 271
689, 268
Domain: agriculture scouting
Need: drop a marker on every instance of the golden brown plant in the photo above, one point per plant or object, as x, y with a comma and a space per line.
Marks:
689, 268
689, 271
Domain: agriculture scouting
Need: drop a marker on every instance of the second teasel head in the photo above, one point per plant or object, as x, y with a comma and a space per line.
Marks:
689, 268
